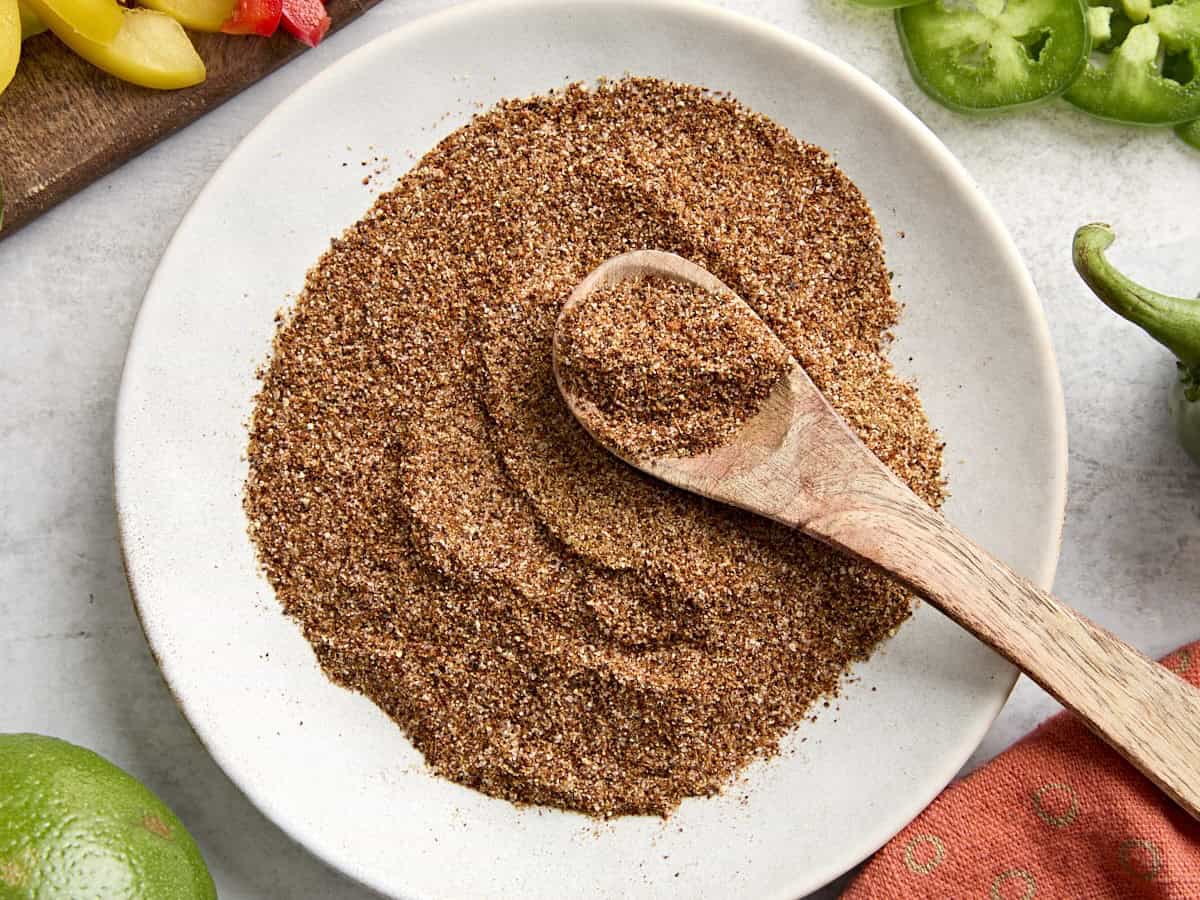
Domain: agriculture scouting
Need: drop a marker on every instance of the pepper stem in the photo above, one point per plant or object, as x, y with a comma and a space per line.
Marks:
1172, 321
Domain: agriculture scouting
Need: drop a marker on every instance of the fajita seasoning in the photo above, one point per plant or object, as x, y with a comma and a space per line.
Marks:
662, 368
546, 624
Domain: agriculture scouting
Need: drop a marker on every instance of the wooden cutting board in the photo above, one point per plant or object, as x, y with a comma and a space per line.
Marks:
64, 123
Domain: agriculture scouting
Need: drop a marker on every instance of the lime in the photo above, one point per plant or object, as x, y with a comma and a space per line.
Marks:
73, 825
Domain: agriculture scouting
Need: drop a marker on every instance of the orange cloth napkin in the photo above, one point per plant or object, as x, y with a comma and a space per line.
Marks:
1058, 815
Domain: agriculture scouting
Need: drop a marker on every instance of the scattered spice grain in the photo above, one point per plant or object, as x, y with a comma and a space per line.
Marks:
544, 623
665, 368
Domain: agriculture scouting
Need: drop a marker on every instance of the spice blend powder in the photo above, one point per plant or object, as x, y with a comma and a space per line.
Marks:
546, 624
662, 368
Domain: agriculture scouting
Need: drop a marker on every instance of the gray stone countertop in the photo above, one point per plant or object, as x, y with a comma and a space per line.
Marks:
73, 661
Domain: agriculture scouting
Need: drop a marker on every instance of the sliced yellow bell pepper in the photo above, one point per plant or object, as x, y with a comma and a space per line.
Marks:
30, 23
10, 41
199, 15
151, 49
93, 20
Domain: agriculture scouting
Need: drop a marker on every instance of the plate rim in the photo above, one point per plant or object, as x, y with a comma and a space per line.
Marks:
952, 167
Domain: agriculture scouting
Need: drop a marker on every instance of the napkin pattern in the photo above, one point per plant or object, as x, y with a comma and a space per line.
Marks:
1058, 815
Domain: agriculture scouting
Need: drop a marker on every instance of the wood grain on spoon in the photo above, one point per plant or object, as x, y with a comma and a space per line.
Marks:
797, 462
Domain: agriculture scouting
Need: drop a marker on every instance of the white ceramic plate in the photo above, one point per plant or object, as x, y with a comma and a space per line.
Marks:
330, 768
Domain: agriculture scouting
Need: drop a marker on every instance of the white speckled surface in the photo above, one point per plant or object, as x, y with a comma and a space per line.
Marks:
72, 656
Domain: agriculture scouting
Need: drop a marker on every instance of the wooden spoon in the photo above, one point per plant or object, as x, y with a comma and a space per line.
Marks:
797, 462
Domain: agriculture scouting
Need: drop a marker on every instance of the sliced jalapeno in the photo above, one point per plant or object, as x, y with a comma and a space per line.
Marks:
1189, 133
887, 4
1148, 70
982, 55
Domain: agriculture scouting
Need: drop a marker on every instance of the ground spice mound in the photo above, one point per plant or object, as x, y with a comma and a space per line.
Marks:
546, 624
664, 368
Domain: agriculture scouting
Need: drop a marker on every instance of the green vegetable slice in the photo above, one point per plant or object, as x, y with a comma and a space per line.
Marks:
1151, 74
1136, 11
887, 4
1189, 133
982, 55
1099, 21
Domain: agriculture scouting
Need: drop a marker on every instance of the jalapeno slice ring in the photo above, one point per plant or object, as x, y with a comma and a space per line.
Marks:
984, 55
1148, 71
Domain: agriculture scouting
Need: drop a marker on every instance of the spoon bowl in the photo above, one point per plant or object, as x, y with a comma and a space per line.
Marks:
796, 461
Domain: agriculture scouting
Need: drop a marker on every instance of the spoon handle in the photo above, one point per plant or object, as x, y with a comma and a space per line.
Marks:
1144, 711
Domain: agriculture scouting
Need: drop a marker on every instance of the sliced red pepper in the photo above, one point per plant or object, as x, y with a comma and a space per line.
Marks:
254, 17
306, 19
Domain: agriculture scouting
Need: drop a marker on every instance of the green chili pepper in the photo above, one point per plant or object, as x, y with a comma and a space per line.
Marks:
1152, 73
990, 54
1189, 133
1172, 321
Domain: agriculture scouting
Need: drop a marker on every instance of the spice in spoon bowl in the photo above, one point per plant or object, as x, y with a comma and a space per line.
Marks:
659, 367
